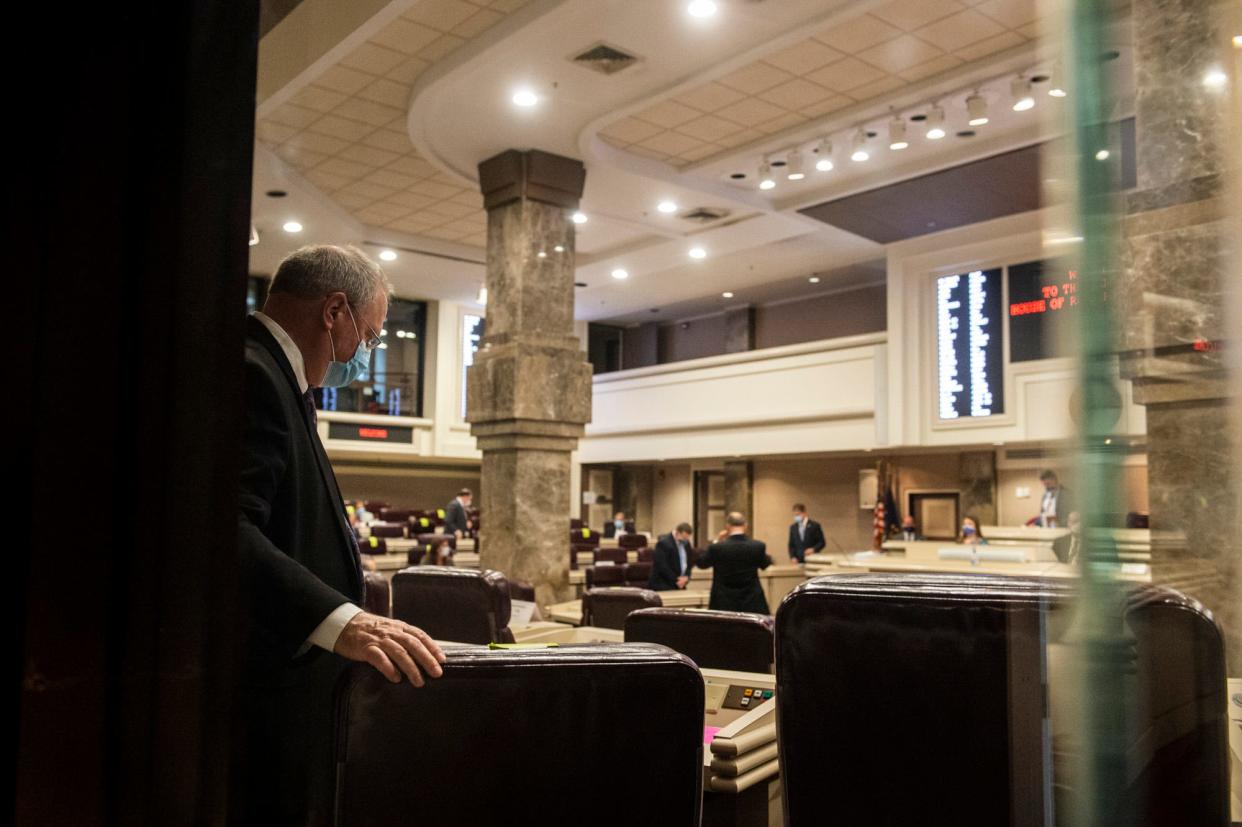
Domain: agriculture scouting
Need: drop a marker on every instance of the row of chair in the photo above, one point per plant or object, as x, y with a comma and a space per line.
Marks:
900, 698
587, 538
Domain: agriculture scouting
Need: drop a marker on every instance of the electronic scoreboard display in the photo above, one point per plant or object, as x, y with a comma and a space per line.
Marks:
1043, 303
970, 346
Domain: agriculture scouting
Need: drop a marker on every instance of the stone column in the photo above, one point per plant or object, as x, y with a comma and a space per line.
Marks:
739, 490
529, 390
1172, 303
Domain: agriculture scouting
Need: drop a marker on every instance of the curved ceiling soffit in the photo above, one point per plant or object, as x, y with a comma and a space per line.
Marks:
416, 126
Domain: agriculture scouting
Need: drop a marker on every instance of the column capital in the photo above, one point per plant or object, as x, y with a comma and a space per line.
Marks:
533, 175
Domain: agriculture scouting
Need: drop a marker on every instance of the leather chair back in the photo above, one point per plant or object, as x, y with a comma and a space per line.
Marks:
521, 590
611, 555
646, 554
584, 537
373, 545
943, 677
603, 576
426, 538
459, 605
628, 541
395, 515
461, 749
608, 608
387, 529
637, 574
375, 506
574, 523
740, 641
377, 596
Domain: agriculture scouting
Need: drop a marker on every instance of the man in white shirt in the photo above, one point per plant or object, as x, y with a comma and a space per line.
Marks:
1054, 506
299, 560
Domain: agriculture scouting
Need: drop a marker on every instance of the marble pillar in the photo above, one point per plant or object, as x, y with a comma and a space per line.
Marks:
529, 390
1171, 308
739, 488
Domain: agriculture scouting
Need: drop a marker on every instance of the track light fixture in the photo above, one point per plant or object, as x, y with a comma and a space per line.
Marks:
977, 109
860, 152
823, 156
1020, 89
897, 133
935, 123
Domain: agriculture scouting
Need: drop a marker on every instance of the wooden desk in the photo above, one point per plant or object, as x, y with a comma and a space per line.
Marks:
571, 610
921, 562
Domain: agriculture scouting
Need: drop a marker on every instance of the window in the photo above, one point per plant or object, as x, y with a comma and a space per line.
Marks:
472, 334
393, 385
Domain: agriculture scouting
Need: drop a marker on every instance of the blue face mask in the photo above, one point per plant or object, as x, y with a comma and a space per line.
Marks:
619, 524
340, 374
968, 530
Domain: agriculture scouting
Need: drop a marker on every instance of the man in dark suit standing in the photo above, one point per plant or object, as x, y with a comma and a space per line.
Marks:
301, 578
1055, 505
804, 534
455, 520
736, 559
670, 562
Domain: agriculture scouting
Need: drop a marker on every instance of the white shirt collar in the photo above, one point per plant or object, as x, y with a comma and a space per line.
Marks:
289, 347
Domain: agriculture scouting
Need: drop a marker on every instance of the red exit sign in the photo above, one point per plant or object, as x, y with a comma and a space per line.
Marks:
371, 433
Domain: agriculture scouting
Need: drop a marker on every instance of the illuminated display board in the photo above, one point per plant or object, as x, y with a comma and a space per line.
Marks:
969, 345
1043, 303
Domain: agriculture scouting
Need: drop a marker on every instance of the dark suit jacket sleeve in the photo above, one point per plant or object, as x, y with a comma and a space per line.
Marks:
454, 518
704, 560
815, 537
664, 563
287, 601
764, 560
793, 539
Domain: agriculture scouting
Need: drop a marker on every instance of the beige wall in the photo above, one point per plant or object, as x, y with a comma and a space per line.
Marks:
672, 497
1013, 510
405, 487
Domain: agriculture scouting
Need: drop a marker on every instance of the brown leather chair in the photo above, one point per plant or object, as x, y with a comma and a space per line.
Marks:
574, 523
944, 676
445, 753
375, 506
459, 605
373, 545
424, 539
608, 608
584, 537
637, 574
521, 590
377, 596
387, 529
646, 554
603, 576
629, 541
395, 515
740, 641
424, 525
611, 555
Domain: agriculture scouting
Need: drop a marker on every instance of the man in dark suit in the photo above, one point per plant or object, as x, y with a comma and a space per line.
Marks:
736, 559
1056, 503
805, 534
617, 527
301, 579
671, 560
455, 520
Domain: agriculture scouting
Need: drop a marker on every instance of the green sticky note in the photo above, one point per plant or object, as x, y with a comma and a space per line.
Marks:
374, 542
440, 513
523, 645
586, 532
424, 522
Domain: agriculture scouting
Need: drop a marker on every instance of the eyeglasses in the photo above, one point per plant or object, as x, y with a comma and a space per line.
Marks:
370, 343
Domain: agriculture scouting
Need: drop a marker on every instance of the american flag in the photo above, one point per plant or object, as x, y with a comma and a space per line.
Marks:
880, 522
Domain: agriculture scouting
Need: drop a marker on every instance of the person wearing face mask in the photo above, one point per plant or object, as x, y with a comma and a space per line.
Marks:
301, 580
617, 527
971, 534
804, 535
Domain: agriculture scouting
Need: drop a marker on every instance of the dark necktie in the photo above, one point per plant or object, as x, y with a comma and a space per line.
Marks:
308, 399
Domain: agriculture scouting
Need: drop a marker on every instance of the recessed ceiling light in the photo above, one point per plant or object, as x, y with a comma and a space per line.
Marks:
897, 133
1215, 78
823, 162
1020, 89
1102, 155
579, 218
580, 284
559, 248
383, 346
977, 109
738, 176
726, 295
620, 274
667, 207
383, 331
542, 254
292, 227
701, 8
1237, 41
966, 133
766, 181
276, 193
698, 252
814, 279
935, 123
525, 98
860, 153
388, 255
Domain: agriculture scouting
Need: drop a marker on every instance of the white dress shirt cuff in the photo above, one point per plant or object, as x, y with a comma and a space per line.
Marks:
330, 629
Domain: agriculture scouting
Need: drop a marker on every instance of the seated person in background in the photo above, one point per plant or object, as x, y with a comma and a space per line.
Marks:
804, 535
670, 562
351, 511
617, 527
736, 559
360, 511
971, 535
909, 531
455, 520
440, 554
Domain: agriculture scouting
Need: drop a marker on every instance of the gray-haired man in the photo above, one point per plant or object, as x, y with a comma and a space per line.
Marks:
302, 580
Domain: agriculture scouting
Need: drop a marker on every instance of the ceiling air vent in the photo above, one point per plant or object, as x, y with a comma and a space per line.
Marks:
605, 59
704, 215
